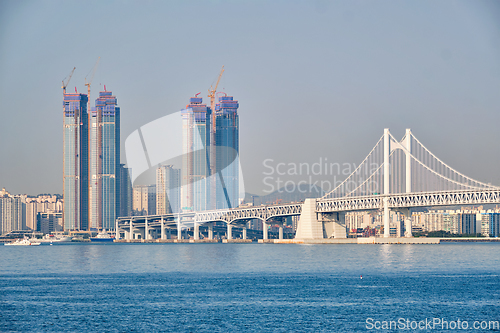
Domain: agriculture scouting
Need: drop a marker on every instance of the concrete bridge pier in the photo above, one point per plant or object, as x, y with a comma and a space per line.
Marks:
147, 232
244, 233
196, 231
117, 230
264, 229
386, 218
281, 231
162, 233
179, 229
309, 227
229, 231
211, 230
407, 216
131, 231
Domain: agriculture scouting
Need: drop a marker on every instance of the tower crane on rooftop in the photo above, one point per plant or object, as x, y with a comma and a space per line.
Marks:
89, 82
211, 92
65, 84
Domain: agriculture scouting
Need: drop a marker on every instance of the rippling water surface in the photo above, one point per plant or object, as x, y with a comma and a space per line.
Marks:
244, 287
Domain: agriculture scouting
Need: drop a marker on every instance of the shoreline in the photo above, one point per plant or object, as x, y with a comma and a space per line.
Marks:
364, 240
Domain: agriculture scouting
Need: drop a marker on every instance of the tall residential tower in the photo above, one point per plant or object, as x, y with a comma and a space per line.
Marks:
227, 147
195, 188
75, 162
104, 191
210, 184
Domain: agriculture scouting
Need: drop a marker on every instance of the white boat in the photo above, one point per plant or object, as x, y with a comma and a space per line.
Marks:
103, 236
56, 238
24, 242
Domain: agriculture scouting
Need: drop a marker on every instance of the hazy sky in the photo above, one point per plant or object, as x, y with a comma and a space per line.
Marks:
314, 79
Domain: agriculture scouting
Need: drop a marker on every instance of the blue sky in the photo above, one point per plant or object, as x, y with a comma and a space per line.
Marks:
314, 79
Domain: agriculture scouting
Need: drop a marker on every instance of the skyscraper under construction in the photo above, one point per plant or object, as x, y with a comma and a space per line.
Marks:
75, 162
227, 147
91, 178
104, 191
195, 172
207, 185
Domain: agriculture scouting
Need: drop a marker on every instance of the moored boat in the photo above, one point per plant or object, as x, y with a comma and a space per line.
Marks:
103, 236
24, 242
56, 238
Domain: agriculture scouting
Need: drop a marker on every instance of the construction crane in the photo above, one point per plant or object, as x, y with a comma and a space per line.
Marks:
211, 92
89, 82
65, 84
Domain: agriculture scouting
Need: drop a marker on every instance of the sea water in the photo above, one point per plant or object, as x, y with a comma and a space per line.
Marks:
249, 287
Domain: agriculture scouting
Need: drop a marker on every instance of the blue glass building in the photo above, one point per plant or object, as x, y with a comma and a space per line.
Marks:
75, 162
227, 148
105, 162
195, 185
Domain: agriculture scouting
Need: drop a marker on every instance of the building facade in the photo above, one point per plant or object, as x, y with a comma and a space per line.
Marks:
41, 204
49, 222
226, 175
125, 201
490, 224
104, 191
168, 182
12, 212
75, 162
144, 200
195, 172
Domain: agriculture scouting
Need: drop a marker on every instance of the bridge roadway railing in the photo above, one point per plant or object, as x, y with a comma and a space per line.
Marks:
254, 212
371, 202
225, 215
406, 200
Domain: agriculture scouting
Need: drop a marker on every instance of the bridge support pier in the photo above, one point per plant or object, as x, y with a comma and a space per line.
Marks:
229, 231
309, 227
211, 231
131, 232
117, 230
264, 230
408, 224
386, 218
387, 150
179, 229
244, 233
146, 229
162, 233
196, 231
281, 231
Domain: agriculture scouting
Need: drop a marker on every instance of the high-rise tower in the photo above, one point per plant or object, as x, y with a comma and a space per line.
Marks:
195, 188
104, 150
75, 162
227, 147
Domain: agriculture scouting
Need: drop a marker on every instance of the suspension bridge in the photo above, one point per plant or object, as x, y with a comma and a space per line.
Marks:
396, 175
